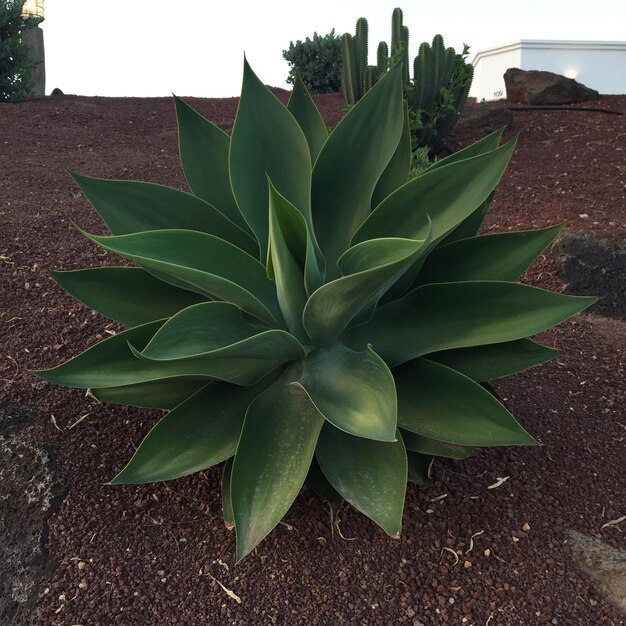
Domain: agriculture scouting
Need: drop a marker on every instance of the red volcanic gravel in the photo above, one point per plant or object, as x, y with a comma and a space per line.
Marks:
153, 555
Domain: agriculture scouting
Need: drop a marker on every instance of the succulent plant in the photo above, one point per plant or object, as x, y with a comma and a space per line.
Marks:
295, 329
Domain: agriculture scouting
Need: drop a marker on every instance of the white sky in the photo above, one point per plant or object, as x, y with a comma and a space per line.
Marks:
132, 48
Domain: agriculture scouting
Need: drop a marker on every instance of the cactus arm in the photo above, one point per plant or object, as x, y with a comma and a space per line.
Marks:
406, 77
347, 71
382, 58
360, 45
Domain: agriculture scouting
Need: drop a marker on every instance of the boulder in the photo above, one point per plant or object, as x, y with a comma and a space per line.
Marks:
594, 266
30, 491
537, 87
479, 120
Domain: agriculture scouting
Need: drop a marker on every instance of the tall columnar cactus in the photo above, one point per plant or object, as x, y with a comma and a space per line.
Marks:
348, 76
438, 91
400, 43
406, 76
441, 85
354, 78
396, 29
382, 58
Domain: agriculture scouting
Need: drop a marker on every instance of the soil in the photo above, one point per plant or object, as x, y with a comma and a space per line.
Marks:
470, 553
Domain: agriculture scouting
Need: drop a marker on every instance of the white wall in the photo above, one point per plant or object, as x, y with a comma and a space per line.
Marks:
488, 82
600, 65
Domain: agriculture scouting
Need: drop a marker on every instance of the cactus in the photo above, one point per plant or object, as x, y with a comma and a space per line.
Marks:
441, 84
406, 78
360, 45
382, 57
396, 30
441, 78
354, 72
347, 71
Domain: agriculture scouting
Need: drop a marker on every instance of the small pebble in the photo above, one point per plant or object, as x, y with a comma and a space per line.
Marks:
487, 552
161, 572
82, 585
81, 565
515, 539
467, 564
526, 527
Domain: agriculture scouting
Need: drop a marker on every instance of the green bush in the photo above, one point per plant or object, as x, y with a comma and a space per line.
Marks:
298, 335
16, 64
318, 61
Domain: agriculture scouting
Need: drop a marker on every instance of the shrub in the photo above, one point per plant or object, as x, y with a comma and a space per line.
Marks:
16, 64
297, 335
318, 61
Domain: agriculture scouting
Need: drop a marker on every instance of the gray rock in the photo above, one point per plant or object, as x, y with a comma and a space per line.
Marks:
537, 87
603, 564
29, 492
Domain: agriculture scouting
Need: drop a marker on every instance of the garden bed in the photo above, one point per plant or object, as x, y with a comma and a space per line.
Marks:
159, 555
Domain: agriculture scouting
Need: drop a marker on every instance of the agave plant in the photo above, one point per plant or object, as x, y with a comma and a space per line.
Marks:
307, 315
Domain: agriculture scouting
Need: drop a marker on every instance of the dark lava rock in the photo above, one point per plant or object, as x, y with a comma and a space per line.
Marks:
536, 87
593, 265
56, 92
29, 492
481, 120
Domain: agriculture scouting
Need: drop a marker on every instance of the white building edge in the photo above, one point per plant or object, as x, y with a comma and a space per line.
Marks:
600, 65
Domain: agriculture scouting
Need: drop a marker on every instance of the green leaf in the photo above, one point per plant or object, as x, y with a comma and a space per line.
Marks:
500, 256
442, 404
204, 156
302, 107
204, 264
218, 330
458, 315
113, 363
128, 295
288, 246
152, 395
446, 194
227, 505
397, 171
486, 144
470, 226
419, 466
350, 165
199, 433
352, 390
96, 366
130, 206
272, 460
483, 363
267, 142
369, 269
370, 475
432, 447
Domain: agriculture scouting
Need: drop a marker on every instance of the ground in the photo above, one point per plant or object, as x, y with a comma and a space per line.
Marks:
475, 549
